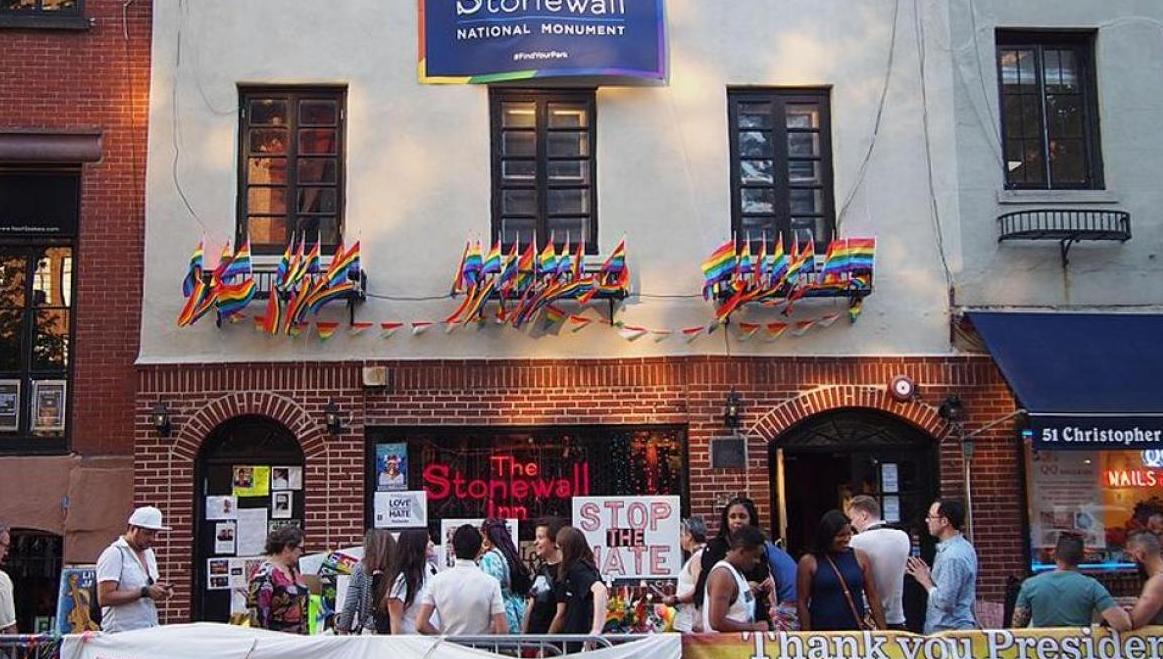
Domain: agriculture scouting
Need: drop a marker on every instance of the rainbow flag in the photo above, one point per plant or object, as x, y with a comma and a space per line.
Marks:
284, 268
564, 262
861, 254
748, 330
615, 263
473, 310
193, 271
472, 265
492, 263
801, 327
579, 262
855, 308
778, 268
743, 265
233, 298
324, 294
297, 307
835, 262
458, 283
800, 260
508, 277
296, 270
200, 300
313, 266
527, 267
547, 262
325, 329
554, 315
761, 271
273, 318
240, 264
578, 323
223, 262
343, 264
775, 330
719, 266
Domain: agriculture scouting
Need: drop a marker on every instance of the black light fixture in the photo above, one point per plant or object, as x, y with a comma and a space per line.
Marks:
733, 410
332, 419
160, 417
951, 409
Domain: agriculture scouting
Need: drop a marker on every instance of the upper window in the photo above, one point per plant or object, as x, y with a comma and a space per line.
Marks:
1049, 110
290, 167
544, 178
781, 165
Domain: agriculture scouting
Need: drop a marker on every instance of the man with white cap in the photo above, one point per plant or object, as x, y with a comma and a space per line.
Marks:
127, 577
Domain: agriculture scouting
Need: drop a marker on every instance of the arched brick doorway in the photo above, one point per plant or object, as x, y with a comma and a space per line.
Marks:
249, 441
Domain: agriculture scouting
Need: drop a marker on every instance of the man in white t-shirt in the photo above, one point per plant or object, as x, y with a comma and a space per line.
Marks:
467, 600
127, 576
889, 550
7, 599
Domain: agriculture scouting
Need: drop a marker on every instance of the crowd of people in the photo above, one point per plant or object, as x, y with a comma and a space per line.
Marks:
851, 578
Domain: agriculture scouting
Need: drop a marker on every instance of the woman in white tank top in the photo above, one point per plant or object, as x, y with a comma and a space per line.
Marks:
747, 545
742, 609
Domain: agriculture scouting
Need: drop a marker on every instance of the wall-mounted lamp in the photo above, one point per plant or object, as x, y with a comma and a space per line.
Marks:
332, 419
951, 409
733, 410
160, 418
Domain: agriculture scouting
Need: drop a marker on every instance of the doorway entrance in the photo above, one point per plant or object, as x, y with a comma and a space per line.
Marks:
269, 457
824, 461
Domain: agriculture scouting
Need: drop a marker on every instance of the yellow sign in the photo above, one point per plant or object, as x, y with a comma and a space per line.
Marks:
1084, 643
252, 481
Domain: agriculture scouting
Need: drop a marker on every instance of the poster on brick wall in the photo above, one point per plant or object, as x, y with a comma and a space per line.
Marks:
632, 537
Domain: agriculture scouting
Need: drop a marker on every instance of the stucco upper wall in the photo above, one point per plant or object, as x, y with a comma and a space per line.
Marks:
418, 178
1129, 76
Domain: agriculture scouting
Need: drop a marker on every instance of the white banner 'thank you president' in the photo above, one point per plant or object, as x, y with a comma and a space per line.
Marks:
401, 510
632, 537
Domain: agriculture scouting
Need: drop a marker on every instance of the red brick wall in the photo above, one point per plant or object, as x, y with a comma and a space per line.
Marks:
63, 80
777, 393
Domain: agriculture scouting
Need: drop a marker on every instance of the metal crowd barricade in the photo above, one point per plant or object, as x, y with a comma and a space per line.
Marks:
30, 646
542, 645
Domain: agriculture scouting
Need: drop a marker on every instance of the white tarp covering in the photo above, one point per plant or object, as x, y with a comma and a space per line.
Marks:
202, 640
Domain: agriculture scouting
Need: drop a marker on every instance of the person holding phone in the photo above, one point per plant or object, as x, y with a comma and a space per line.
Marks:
128, 584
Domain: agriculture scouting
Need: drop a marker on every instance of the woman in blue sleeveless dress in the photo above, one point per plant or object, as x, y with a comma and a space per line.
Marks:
834, 581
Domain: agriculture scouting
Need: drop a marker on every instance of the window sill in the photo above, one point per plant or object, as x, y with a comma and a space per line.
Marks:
1018, 197
45, 22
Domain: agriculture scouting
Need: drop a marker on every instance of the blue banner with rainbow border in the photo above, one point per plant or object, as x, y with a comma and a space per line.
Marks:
483, 41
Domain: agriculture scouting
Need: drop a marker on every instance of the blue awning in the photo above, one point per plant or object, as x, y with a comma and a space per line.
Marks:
1089, 381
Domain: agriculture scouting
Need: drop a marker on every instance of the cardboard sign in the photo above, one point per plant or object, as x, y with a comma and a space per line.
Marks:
632, 537
401, 510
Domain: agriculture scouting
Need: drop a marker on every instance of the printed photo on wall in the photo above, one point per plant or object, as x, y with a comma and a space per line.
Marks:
252, 481
48, 397
224, 538
286, 478
9, 404
225, 507
391, 467
281, 505
218, 574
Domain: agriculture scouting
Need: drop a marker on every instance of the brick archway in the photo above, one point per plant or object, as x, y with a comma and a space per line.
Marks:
824, 399
281, 409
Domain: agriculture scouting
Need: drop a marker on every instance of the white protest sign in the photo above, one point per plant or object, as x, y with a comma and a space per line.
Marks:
401, 510
449, 526
632, 537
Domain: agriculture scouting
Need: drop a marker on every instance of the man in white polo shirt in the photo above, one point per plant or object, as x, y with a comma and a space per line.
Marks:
127, 577
467, 600
889, 550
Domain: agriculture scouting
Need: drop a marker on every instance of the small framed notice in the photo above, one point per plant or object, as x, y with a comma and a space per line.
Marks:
889, 477
48, 400
9, 405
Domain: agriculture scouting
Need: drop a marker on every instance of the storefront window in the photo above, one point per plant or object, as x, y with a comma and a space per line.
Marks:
1103, 496
524, 475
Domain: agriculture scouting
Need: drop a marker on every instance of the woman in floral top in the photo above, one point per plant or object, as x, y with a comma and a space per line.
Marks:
277, 594
501, 561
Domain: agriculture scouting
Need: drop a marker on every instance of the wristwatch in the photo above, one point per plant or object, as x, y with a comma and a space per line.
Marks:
144, 592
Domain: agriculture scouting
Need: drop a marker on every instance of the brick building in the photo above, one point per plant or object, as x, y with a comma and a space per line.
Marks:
74, 89
804, 125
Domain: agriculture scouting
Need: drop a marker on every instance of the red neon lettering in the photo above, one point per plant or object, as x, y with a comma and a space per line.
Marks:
436, 479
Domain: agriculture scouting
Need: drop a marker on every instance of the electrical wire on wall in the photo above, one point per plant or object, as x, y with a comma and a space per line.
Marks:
919, 28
